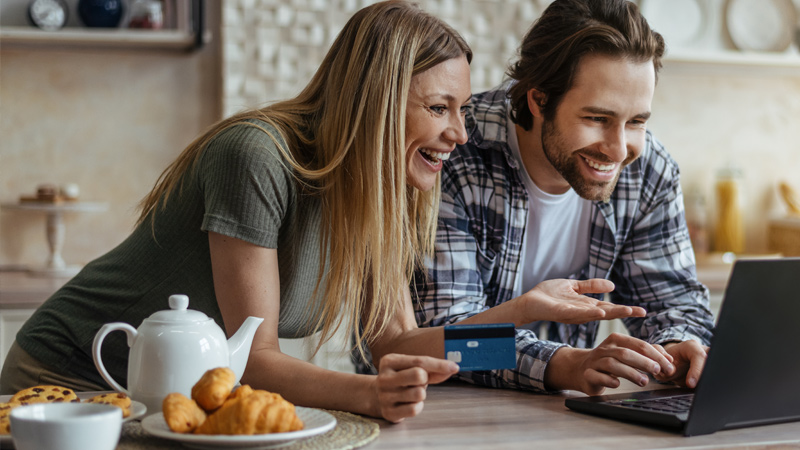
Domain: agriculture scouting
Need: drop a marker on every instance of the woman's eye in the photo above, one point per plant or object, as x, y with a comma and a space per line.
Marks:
464, 109
438, 109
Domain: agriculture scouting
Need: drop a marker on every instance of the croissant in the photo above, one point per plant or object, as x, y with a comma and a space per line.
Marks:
182, 413
213, 388
257, 413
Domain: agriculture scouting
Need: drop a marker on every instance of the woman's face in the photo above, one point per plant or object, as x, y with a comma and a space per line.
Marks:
437, 102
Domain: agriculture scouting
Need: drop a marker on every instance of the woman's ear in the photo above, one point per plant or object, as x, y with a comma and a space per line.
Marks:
536, 101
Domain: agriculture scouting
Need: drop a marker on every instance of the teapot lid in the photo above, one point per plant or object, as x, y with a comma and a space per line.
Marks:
179, 311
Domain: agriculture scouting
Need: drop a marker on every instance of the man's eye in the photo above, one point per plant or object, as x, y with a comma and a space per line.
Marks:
597, 119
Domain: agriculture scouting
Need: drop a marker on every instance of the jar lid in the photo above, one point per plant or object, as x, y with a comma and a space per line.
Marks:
179, 311
730, 171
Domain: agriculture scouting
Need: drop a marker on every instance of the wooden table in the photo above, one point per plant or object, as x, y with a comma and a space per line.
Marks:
461, 416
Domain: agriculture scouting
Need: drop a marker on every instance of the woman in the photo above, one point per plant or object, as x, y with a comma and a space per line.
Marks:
305, 212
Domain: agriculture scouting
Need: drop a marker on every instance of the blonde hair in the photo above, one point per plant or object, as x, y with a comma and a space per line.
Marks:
345, 138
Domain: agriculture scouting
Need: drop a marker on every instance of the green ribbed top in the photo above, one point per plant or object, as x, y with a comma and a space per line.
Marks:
241, 188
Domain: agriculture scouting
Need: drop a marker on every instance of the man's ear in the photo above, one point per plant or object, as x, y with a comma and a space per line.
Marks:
536, 101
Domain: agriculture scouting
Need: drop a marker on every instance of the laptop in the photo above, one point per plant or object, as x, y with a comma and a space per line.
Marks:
752, 373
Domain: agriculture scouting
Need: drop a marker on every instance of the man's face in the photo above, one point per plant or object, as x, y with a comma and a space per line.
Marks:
599, 126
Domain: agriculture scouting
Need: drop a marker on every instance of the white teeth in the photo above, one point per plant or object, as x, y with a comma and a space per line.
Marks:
600, 167
437, 156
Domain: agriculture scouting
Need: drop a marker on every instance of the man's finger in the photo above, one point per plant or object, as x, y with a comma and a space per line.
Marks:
620, 311
695, 369
594, 286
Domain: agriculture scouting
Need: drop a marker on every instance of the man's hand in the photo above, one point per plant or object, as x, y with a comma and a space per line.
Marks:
401, 384
564, 301
689, 358
619, 356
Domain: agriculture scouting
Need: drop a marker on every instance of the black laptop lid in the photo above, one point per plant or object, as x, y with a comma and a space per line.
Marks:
752, 374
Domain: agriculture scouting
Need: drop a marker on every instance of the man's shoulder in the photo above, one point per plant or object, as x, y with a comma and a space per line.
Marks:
655, 161
653, 175
488, 117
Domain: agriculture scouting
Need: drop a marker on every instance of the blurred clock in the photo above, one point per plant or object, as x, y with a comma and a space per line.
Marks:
49, 15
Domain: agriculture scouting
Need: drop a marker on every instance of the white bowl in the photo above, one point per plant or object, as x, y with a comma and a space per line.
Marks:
66, 426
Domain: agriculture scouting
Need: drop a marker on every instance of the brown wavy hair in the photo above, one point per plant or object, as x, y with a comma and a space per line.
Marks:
567, 30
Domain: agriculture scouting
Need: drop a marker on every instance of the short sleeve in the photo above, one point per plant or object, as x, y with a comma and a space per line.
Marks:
246, 184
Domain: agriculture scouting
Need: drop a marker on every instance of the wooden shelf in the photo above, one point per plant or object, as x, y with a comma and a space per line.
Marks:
117, 37
185, 32
736, 58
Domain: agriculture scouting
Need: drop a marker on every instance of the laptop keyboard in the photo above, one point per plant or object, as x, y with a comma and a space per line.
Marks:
675, 405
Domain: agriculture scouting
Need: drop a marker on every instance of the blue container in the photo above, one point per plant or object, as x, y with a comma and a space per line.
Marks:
101, 13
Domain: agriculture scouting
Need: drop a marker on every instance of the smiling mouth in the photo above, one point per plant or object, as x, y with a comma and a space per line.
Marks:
434, 157
600, 167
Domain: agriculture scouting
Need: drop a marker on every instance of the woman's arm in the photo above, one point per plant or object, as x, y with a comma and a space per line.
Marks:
246, 283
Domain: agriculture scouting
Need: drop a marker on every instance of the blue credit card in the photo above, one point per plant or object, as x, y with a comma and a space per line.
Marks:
481, 347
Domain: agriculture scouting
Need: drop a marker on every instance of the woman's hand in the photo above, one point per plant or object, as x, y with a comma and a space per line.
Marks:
402, 382
564, 301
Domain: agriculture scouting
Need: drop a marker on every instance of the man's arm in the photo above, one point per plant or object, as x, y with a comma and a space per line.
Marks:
656, 270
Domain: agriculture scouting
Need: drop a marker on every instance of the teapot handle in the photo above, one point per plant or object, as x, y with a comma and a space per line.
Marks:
98, 342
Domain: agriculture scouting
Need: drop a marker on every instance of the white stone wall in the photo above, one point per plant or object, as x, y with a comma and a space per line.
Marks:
272, 47
708, 114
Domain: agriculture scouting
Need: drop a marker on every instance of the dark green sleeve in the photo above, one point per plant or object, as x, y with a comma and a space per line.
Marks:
246, 184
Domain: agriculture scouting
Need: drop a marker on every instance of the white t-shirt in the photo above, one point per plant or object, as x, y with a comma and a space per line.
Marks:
556, 241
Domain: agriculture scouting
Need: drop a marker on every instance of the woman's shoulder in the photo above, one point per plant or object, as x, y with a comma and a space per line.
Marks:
247, 142
249, 134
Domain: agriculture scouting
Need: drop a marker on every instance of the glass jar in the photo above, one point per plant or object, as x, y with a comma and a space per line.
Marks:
697, 221
729, 233
147, 14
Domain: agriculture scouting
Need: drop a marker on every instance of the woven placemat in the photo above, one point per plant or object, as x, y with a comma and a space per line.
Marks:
351, 432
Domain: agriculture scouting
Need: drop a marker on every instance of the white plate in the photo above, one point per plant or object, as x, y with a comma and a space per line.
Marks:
762, 25
680, 22
316, 422
138, 409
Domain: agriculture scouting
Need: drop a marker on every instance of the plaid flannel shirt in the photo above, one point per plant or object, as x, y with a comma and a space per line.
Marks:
638, 240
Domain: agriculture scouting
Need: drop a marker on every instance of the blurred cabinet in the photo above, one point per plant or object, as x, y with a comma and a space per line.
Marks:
21, 294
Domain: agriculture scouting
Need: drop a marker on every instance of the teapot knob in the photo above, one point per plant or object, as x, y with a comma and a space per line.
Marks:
178, 302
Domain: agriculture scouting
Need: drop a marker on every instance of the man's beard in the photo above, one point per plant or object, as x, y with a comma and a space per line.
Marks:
566, 163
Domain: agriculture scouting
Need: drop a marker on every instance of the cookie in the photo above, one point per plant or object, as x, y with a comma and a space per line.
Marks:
213, 388
117, 399
182, 413
45, 394
5, 419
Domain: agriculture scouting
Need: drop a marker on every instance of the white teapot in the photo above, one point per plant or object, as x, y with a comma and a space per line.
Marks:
172, 349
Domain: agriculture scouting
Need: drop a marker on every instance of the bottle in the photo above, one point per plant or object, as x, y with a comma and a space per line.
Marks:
697, 221
729, 233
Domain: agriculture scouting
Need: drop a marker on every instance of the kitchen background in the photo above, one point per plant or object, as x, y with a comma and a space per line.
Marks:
110, 119
110, 116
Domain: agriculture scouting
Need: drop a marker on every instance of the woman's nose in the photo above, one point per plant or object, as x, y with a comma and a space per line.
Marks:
457, 131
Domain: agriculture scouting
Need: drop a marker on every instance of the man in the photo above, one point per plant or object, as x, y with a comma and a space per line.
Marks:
560, 178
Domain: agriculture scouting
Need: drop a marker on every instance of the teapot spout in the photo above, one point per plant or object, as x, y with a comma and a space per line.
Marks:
239, 345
